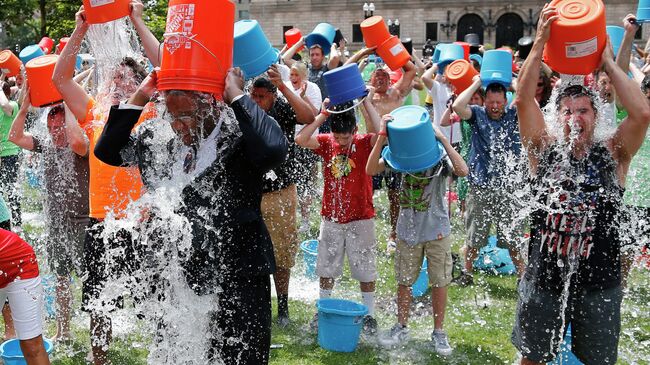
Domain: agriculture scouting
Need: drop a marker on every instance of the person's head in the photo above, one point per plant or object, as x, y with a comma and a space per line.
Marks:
380, 80
316, 56
645, 87
20, 79
264, 93
495, 101
344, 125
577, 112
6, 88
56, 125
604, 86
477, 98
191, 114
126, 78
298, 73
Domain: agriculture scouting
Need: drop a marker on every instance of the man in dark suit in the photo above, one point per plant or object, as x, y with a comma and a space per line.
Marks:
219, 155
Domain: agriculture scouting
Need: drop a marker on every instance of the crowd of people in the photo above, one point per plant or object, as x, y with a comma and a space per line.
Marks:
544, 163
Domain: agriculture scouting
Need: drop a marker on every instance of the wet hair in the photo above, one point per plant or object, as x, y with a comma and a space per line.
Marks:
496, 88
301, 68
58, 109
317, 46
344, 122
645, 84
139, 71
264, 83
547, 89
576, 91
6, 89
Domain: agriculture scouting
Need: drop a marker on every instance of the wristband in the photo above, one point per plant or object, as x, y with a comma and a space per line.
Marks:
325, 113
382, 133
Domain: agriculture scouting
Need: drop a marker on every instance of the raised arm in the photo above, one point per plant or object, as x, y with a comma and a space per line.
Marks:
429, 76
335, 57
305, 138
17, 133
304, 113
287, 57
150, 44
532, 127
77, 139
461, 104
372, 118
625, 49
405, 84
362, 54
376, 164
73, 94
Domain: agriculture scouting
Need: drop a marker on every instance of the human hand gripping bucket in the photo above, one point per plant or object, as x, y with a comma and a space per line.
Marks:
39, 76
345, 84
578, 37
11, 353
104, 11
198, 47
9, 63
339, 324
322, 35
412, 143
253, 52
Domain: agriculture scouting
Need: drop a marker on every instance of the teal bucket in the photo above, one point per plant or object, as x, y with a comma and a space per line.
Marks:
339, 324
566, 357
252, 51
493, 259
11, 353
615, 34
323, 35
643, 11
421, 285
448, 54
30, 52
412, 144
496, 68
309, 255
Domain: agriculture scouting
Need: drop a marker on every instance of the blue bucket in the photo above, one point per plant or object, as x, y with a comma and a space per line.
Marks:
323, 35
11, 353
49, 289
252, 51
497, 68
339, 324
566, 357
30, 52
345, 84
477, 58
448, 54
412, 144
422, 283
436, 52
494, 259
615, 34
643, 11
309, 255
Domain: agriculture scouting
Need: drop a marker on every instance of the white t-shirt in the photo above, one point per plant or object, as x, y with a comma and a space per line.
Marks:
313, 95
440, 94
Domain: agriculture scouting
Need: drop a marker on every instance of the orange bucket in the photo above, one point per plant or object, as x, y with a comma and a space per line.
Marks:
104, 11
292, 36
460, 74
39, 75
465, 46
62, 42
393, 53
578, 37
198, 47
374, 30
46, 44
9, 63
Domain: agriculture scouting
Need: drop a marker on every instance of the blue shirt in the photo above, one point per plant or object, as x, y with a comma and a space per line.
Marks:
495, 147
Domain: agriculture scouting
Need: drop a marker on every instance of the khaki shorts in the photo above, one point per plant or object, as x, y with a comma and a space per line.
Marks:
488, 207
279, 213
408, 262
357, 240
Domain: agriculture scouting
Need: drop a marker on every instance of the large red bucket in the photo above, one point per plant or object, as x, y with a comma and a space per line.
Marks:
9, 63
374, 30
198, 46
393, 53
104, 11
62, 42
292, 36
39, 76
578, 37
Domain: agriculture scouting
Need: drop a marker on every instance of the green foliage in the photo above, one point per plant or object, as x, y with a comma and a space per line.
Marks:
156, 16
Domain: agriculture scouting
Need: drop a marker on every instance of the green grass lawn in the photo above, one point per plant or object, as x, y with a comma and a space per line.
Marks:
479, 318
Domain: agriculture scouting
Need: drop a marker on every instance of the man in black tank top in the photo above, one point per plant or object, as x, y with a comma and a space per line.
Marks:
574, 273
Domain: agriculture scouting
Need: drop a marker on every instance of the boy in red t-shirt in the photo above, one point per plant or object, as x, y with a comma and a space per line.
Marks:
347, 226
21, 284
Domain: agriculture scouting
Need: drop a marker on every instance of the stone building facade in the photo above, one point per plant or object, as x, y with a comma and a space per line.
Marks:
498, 22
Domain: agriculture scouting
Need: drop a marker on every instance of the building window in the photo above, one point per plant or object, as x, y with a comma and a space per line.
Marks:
639, 32
431, 31
357, 36
244, 14
284, 29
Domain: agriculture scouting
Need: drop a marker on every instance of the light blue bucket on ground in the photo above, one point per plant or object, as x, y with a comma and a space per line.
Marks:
615, 34
49, 291
643, 11
421, 285
494, 259
11, 353
448, 54
29, 53
345, 84
339, 324
322, 35
496, 68
412, 144
252, 51
309, 255
566, 357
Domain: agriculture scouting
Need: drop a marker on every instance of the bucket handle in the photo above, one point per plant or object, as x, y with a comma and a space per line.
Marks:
192, 38
357, 320
350, 108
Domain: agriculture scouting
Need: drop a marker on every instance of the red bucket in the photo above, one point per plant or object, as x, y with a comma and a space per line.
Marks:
393, 53
46, 44
292, 36
374, 30
197, 52
460, 73
39, 75
62, 42
465, 46
104, 11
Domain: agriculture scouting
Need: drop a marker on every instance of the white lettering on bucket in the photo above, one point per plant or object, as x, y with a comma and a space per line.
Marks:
95, 3
496, 74
396, 49
581, 49
180, 24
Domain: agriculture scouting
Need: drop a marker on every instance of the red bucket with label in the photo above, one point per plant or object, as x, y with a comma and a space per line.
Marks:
198, 47
393, 53
39, 76
104, 11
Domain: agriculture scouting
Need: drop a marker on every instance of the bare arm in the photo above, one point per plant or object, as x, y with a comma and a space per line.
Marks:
461, 104
335, 57
405, 84
287, 57
305, 138
362, 54
17, 134
150, 44
429, 75
77, 139
372, 118
73, 94
625, 50
376, 164
304, 114
445, 120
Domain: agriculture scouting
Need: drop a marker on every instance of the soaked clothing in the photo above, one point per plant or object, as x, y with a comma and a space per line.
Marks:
17, 259
284, 175
347, 189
